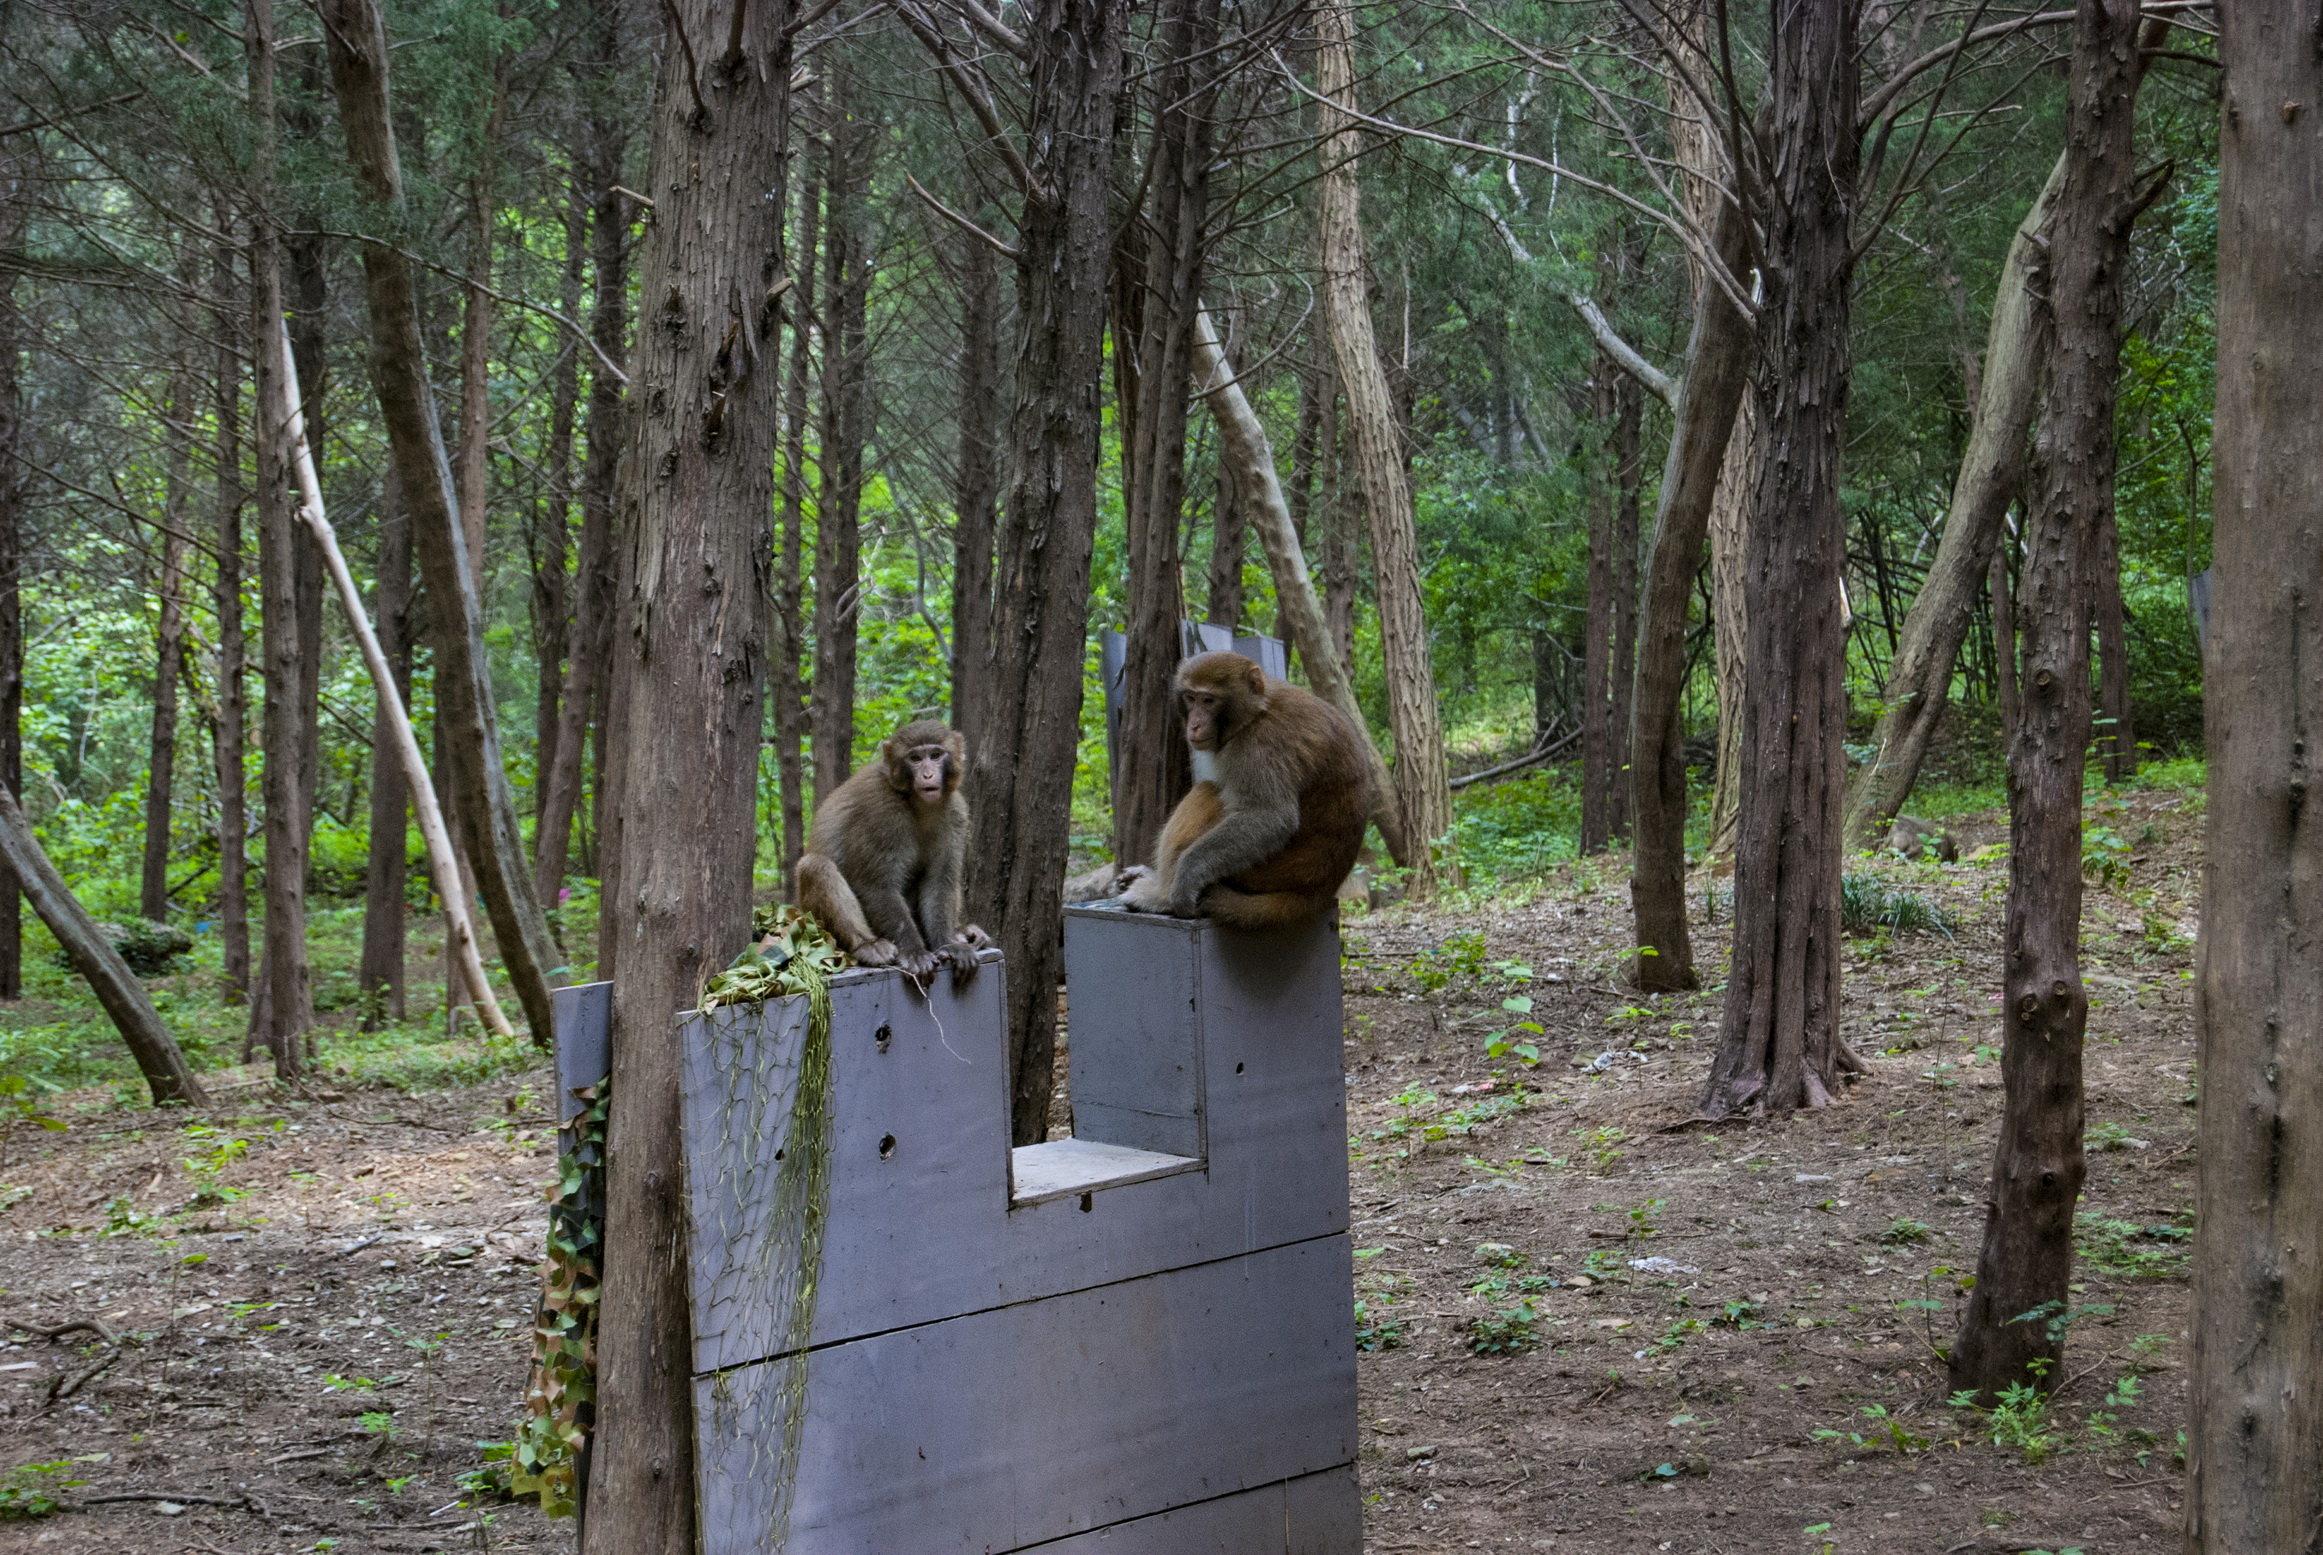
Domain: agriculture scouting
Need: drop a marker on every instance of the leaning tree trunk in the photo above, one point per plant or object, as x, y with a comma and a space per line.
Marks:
1991, 473
167, 1075
1041, 599
465, 709
1423, 785
976, 496
168, 660
1709, 396
2255, 1428
1779, 1046
846, 429
380, 975
2038, 1167
1158, 286
233, 692
789, 630
285, 1006
698, 480
12, 491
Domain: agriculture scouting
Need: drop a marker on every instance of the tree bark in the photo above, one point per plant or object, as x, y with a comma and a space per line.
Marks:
167, 1075
2038, 1167
380, 973
464, 702
1718, 358
233, 695
12, 491
1730, 619
2116, 731
1158, 292
699, 479
1779, 1042
580, 702
2255, 1431
976, 500
1229, 546
280, 1016
1628, 501
1304, 620
1041, 599
789, 629
308, 283
846, 429
2004, 659
548, 540
1423, 785
1991, 474
168, 658
1598, 770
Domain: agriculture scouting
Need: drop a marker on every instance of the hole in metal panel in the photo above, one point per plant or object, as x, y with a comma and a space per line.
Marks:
886, 1146
884, 1035
1088, 1202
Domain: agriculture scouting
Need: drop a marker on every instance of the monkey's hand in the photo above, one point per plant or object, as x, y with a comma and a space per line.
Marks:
972, 936
1130, 875
959, 953
878, 952
1146, 895
920, 965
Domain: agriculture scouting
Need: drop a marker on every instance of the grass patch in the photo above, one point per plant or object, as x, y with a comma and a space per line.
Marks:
1868, 904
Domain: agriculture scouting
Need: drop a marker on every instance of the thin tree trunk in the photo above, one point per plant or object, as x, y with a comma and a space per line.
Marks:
548, 544
1730, 619
1423, 785
12, 490
1597, 765
846, 428
464, 703
167, 1075
1041, 599
976, 500
168, 658
280, 1017
590, 642
1628, 499
1991, 474
1304, 620
2003, 646
1229, 547
1158, 286
1709, 398
380, 974
1341, 559
698, 480
1779, 1045
308, 282
786, 686
2038, 1167
2255, 1428
2117, 733
233, 695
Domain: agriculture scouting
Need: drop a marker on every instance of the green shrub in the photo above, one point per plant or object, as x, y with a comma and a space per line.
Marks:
1869, 905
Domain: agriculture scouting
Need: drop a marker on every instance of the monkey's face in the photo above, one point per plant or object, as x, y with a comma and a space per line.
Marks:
1204, 724
926, 773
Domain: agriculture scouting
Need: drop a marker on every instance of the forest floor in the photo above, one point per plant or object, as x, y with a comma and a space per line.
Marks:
1589, 1324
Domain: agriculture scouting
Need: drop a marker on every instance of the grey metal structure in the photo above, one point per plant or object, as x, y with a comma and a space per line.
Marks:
1136, 1341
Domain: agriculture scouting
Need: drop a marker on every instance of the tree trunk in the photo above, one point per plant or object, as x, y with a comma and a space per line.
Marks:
279, 1018
308, 283
2038, 1167
1730, 618
1598, 770
1991, 474
1041, 599
2255, 1431
1229, 546
2003, 646
1779, 1043
380, 976
233, 696
580, 700
548, 542
1628, 499
167, 1075
1158, 288
1341, 562
790, 619
168, 658
464, 703
846, 428
1423, 785
2116, 733
1709, 397
976, 500
12, 489
699, 480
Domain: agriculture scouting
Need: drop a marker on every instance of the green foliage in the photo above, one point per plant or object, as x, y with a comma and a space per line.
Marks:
1904, 1232
2127, 1250
1868, 904
32, 1489
1506, 1331
2104, 855
1884, 1431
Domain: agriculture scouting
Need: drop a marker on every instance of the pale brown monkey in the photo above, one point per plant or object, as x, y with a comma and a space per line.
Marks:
1915, 838
882, 866
1276, 821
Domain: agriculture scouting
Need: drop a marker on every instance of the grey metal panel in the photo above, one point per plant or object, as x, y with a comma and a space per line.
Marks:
1133, 997
584, 1041
1270, 653
1315, 1514
1154, 1393
927, 1232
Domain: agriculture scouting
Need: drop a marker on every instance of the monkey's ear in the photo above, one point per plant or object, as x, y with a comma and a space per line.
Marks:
898, 773
956, 744
1258, 682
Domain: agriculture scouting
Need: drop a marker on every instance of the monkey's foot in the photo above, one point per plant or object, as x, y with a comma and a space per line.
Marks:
960, 955
972, 936
878, 952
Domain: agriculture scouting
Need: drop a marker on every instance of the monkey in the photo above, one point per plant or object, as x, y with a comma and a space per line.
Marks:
1277, 814
882, 866
1914, 838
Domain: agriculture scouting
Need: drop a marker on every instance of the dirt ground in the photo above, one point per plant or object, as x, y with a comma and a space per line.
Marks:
1593, 1326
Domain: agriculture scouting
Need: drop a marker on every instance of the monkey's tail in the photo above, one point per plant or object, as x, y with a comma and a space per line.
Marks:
1260, 909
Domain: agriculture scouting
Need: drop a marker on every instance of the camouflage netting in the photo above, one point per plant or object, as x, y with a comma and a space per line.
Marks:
560, 1396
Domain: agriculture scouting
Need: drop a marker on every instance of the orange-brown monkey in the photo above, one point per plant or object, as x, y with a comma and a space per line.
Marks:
1276, 821
882, 866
